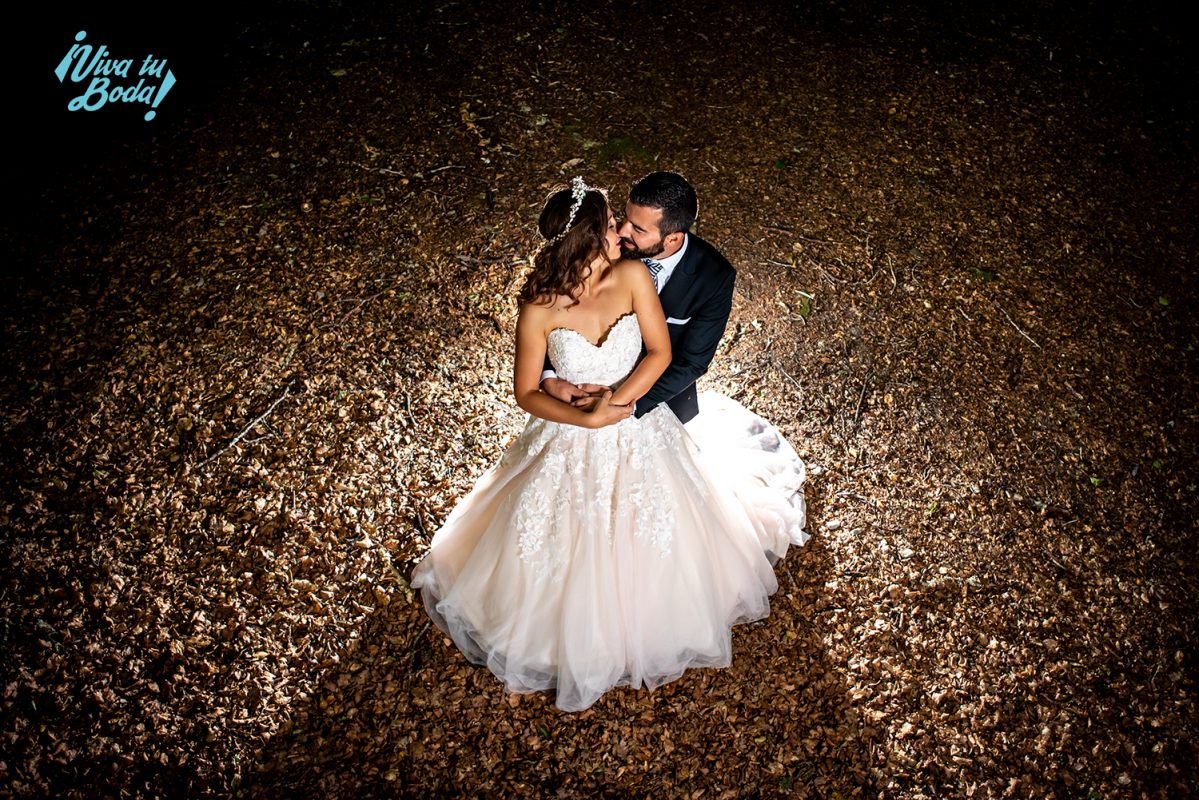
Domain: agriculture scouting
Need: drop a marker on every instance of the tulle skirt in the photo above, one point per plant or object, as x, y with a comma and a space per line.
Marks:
589, 559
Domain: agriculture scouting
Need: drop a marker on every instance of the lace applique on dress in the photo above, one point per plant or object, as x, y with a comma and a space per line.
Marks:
577, 360
575, 476
650, 494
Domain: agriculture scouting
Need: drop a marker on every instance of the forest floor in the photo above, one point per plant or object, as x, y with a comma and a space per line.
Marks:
251, 361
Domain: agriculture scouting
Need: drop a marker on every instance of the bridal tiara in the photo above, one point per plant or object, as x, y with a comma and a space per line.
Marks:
578, 190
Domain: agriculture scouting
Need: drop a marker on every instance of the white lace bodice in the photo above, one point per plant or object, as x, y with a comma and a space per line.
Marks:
596, 478
579, 361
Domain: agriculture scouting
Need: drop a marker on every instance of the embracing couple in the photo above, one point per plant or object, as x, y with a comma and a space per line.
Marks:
662, 207
611, 545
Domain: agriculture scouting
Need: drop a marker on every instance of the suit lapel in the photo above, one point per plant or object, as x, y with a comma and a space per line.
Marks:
674, 295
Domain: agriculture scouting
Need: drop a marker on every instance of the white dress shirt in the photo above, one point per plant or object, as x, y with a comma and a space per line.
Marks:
668, 265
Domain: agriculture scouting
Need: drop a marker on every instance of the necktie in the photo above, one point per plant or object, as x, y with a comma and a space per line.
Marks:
655, 269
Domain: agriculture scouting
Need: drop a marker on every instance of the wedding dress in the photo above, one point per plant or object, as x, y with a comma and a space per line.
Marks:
587, 559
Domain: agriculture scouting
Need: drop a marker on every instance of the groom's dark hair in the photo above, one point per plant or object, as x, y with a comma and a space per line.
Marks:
670, 192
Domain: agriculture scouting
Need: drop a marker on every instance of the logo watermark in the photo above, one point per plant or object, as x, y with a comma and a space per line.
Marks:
82, 62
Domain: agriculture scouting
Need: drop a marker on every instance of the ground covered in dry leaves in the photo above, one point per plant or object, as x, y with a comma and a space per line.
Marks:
254, 356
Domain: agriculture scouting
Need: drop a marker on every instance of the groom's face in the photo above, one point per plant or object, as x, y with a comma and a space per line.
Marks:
640, 236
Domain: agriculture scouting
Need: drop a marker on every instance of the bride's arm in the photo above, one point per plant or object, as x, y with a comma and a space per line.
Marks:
654, 334
530, 357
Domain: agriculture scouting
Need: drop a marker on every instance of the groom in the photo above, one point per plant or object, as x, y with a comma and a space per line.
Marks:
695, 286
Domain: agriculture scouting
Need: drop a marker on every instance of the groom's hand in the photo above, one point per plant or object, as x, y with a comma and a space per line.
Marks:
565, 391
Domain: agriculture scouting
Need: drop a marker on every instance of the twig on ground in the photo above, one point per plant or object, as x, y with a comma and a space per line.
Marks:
828, 275
1017, 327
405, 587
420, 523
1056, 563
259, 438
788, 376
857, 413
866, 244
248, 428
408, 407
384, 170
291, 352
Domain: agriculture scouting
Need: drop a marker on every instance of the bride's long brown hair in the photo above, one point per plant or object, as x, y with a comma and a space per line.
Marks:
560, 269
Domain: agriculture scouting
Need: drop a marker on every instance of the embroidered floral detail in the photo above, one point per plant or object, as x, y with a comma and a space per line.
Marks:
652, 498
585, 480
537, 515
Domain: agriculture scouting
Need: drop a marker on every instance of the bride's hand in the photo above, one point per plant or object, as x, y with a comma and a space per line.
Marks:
605, 413
593, 392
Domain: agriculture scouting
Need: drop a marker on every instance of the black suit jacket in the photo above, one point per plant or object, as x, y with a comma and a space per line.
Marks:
697, 300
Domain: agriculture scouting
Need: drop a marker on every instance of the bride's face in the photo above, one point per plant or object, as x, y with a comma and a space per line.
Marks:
612, 239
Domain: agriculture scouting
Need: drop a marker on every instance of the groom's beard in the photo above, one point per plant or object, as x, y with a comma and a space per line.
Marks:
629, 250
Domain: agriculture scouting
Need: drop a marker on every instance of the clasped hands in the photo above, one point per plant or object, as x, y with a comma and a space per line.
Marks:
590, 397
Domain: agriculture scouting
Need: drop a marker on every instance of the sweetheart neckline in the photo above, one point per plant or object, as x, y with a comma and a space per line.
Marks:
604, 338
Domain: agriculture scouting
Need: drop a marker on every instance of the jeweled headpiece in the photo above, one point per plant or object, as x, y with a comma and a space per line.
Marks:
578, 190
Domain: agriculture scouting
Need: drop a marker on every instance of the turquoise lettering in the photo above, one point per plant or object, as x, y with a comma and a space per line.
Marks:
99, 86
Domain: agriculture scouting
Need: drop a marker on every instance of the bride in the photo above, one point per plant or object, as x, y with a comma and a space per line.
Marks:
606, 549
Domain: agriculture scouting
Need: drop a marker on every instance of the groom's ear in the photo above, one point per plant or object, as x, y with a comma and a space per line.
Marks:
674, 239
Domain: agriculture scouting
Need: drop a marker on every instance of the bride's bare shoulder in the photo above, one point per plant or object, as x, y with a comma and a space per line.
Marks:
534, 314
627, 264
628, 270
